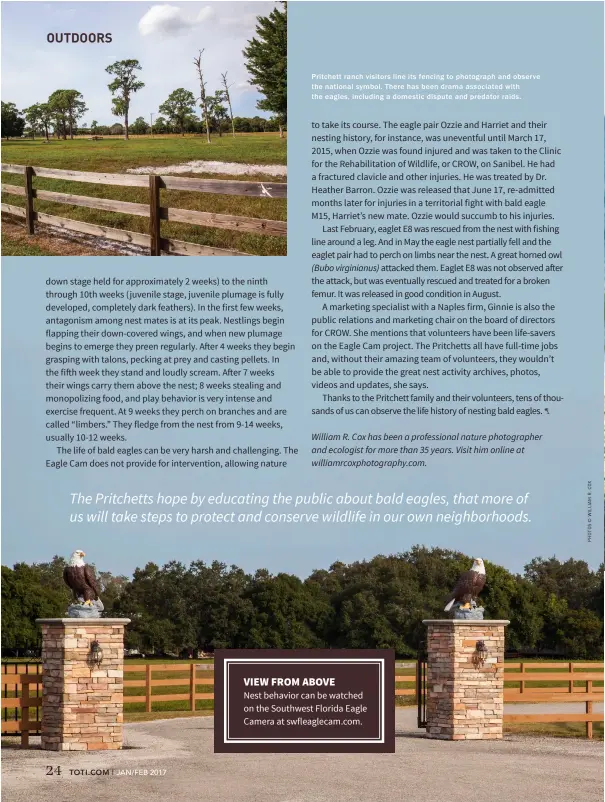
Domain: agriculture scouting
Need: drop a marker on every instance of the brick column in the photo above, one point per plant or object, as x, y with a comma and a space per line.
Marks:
82, 703
465, 700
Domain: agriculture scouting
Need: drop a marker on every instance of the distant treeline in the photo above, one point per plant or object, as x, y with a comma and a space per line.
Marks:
191, 125
554, 607
37, 121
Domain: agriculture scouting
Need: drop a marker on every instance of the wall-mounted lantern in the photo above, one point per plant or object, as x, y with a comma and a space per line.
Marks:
95, 655
480, 654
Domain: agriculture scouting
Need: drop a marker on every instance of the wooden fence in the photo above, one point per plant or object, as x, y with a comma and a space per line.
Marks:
554, 683
567, 682
22, 699
153, 210
191, 679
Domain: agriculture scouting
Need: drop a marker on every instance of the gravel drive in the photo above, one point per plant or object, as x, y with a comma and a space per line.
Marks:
520, 767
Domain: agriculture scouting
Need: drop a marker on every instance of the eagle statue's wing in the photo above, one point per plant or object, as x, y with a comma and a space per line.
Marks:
464, 587
91, 580
66, 576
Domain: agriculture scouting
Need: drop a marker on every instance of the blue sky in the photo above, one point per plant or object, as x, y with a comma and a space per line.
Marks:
164, 37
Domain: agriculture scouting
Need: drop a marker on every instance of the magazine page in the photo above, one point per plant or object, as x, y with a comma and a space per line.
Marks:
316, 494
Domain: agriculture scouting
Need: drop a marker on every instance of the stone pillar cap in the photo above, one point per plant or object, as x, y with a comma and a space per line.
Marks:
465, 622
82, 622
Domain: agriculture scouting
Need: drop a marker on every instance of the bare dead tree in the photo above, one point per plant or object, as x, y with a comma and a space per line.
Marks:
228, 99
203, 101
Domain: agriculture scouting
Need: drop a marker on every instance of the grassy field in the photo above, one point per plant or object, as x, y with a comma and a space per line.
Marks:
118, 155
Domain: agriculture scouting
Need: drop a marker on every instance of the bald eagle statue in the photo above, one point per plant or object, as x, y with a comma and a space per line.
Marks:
80, 578
468, 587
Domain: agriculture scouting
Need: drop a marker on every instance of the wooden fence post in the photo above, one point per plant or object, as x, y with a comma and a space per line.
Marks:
148, 688
589, 709
24, 713
154, 214
522, 682
192, 668
29, 200
570, 666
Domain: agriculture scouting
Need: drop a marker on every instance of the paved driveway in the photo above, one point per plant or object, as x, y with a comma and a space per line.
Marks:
517, 769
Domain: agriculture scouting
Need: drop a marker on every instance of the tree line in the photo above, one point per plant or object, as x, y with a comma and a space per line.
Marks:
555, 608
266, 61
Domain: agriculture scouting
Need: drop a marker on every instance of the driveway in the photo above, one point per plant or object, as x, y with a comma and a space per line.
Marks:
421, 770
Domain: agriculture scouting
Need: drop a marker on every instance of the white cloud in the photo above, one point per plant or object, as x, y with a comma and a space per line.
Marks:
205, 14
168, 21
245, 21
244, 86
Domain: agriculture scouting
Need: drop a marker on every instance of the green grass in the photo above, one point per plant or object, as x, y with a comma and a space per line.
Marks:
11, 247
534, 665
131, 717
570, 729
117, 155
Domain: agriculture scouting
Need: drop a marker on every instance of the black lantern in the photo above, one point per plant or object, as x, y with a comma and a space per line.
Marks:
481, 653
95, 655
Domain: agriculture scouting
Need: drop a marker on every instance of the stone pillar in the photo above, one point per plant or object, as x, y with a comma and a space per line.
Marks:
465, 700
82, 703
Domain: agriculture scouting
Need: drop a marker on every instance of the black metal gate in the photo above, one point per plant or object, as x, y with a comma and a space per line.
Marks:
421, 684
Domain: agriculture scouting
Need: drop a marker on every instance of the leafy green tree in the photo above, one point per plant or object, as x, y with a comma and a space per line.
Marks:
139, 126
156, 603
266, 59
242, 125
218, 603
285, 614
57, 104
29, 593
33, 118
66, 107
178, 106
582, 635
45, 117
124, 85
160, 126
572, 580
217, 111
76, 107
11, 122
93, 127
192, 125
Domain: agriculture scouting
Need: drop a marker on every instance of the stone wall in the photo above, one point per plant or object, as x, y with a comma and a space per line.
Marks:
465, 701
82, 704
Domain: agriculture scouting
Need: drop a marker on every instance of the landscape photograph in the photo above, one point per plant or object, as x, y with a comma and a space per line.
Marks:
136, 130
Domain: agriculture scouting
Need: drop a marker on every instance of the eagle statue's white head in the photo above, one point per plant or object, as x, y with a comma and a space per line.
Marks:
478, 565
77, 558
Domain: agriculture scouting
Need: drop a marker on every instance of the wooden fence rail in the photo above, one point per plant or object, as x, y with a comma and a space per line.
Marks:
30, 696
574, 683
153, 210
148, 683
